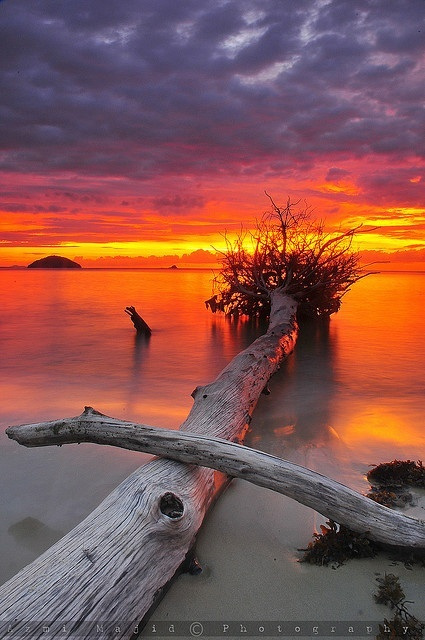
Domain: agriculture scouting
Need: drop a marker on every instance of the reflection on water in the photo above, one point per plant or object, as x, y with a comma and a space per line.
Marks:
380, 362
300, 410
140, 356
296, 421
352, 393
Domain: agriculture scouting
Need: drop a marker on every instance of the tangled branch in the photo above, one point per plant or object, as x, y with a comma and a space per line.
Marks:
287, 250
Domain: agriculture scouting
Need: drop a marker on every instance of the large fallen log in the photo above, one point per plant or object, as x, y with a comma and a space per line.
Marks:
329, 497
111, 567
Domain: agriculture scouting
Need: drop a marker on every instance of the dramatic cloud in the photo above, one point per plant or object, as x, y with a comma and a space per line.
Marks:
178, 202
119, 116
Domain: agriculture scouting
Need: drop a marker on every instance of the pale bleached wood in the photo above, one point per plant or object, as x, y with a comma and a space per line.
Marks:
113, 564
327, 496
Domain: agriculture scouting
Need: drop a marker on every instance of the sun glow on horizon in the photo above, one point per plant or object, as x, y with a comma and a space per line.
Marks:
107, 234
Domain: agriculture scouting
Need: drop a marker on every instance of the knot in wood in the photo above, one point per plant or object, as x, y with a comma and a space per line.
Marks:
171, 505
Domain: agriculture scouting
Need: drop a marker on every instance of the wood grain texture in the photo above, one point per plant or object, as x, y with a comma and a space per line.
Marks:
112, 565
329, 497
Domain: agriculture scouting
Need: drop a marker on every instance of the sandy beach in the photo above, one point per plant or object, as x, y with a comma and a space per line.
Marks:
252, 578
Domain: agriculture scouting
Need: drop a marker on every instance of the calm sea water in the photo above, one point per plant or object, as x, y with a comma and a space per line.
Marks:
351, 395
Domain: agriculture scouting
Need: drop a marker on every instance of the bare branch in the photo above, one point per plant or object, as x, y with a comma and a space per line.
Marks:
317, 491
289, 251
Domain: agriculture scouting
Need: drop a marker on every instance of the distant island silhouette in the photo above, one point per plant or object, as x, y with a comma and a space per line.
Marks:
54, 262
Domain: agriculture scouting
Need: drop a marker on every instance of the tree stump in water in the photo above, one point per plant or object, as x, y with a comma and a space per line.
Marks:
140, 325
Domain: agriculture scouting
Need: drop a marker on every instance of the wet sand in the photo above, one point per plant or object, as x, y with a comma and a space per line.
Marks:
252, 578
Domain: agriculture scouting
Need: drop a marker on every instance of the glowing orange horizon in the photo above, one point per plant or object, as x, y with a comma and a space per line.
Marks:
112, 232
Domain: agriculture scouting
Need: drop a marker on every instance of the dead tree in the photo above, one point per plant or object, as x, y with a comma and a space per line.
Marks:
288, 251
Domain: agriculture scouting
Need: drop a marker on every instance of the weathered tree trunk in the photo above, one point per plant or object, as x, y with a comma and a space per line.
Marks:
113, 564
327, 496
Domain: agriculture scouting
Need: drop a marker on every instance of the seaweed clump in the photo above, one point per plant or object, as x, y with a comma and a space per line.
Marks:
389, 481
336, 544
390, 498
403, 624
398, 473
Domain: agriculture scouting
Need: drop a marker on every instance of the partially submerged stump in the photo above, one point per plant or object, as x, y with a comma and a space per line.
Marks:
142, 328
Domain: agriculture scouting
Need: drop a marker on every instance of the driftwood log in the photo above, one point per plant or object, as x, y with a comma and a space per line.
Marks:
112, 566
329, 497
142, 327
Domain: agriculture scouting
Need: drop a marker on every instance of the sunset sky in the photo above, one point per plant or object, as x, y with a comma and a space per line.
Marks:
145, 128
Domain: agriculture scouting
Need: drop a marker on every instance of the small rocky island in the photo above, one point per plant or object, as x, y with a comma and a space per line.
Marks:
54, 262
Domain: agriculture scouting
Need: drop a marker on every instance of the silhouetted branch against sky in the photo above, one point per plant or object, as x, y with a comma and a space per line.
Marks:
291, 253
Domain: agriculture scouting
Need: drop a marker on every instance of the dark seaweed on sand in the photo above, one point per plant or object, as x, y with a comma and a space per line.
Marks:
399, 628
336, 544
388, 498
398, 473
403, 624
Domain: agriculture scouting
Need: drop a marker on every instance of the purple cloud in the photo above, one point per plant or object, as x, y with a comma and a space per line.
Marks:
143, 89
136, 96
335, 175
